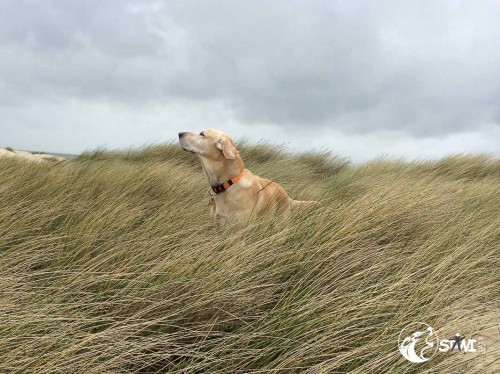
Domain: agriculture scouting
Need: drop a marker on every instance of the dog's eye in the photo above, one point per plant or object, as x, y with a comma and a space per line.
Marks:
202, 133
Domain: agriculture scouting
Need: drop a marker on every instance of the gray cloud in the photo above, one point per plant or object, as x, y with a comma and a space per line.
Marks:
423, 69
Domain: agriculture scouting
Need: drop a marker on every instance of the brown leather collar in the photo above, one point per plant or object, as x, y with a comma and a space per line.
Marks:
224, 186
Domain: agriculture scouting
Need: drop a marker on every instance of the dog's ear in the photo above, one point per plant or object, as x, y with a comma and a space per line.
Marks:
227, 147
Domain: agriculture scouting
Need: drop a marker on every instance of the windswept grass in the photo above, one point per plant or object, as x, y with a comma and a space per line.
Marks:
109, 264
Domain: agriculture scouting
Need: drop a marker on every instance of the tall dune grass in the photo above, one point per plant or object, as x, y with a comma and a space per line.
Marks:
110, 264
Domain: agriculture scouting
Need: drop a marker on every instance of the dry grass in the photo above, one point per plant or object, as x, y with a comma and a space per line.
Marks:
109, 265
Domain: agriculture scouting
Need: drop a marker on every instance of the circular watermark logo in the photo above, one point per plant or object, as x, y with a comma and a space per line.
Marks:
418, 342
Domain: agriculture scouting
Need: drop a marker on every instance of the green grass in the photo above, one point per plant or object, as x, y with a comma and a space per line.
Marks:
110, 264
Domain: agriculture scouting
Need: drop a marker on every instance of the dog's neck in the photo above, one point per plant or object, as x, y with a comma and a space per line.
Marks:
220, 171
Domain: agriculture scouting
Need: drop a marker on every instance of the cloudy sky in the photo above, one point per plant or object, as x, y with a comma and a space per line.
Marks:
417, 79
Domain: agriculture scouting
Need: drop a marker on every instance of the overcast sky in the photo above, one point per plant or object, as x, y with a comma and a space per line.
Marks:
417, 79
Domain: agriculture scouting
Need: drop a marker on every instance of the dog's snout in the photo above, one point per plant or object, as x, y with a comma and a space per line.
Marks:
181, 134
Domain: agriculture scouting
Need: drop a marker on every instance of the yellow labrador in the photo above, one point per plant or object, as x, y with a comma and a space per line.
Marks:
238, 194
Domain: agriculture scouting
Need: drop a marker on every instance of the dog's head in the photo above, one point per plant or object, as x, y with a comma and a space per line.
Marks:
209, 143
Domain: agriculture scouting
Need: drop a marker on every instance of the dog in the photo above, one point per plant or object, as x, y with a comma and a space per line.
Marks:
237, 194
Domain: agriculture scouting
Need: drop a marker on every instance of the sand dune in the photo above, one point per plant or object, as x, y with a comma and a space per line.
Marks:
35, 157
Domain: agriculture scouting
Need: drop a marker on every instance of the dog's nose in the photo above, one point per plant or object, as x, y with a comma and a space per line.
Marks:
181, 134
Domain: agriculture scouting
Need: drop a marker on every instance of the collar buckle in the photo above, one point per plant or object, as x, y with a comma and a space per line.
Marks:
224, 186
